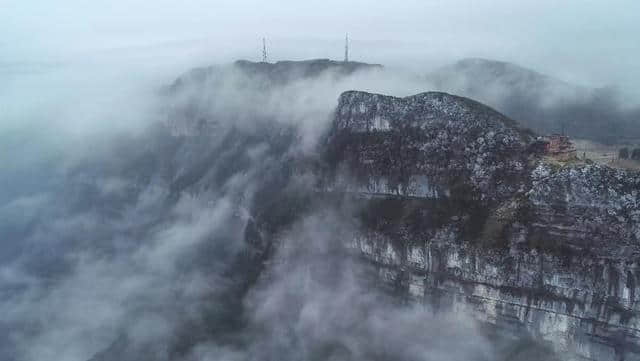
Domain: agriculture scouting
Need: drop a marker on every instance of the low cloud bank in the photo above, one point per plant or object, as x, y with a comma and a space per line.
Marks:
131, 243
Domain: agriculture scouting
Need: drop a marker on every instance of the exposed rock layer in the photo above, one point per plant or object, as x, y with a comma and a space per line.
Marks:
454, 206
460, 213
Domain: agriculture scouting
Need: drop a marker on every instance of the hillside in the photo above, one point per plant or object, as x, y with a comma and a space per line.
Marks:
541, 102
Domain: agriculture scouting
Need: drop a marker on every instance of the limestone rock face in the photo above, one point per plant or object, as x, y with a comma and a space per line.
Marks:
459, 213
430, 144
454, 207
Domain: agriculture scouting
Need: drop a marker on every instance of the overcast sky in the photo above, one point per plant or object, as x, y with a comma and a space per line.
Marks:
585, 41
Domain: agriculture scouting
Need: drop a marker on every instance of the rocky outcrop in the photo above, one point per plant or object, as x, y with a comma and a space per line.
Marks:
458, 212
428, 145
455, 207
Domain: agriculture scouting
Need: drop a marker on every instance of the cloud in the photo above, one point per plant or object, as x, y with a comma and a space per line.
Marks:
127, 283
590, 43
314, 303
131, 242
136, 246
543, 103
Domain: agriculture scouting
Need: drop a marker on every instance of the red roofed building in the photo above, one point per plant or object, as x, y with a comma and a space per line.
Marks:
560, 147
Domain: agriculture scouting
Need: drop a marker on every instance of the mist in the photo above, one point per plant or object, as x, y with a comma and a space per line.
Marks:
127, 203
126, 228
586, 43
124, 234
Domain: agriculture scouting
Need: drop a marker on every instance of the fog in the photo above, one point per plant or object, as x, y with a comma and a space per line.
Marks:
124, 225
123, 241
588, 42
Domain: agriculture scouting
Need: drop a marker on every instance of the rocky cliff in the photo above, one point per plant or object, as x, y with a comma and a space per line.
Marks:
459, 212
447, 203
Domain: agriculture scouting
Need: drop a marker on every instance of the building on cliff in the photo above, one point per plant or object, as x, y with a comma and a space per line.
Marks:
559, 147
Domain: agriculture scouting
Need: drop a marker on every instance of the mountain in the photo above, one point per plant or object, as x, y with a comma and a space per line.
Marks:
540, 102
278, 73
240, 93
276, 216
476, 74
461, 213
410, 142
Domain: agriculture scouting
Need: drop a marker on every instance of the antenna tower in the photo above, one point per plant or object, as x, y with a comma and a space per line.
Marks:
264, 50
346, 48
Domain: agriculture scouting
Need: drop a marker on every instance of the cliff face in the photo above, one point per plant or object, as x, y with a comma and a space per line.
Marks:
446, 201
428, 145
459, 212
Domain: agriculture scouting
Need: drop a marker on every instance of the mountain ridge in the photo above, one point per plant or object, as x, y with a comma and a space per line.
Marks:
482, 222
447, 205
543, 103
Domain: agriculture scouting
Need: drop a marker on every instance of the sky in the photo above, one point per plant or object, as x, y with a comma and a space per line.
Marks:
584, 41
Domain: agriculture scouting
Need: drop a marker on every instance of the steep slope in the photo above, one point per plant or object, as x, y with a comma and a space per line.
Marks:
431, 199
455, 209
464, 215
396, 145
